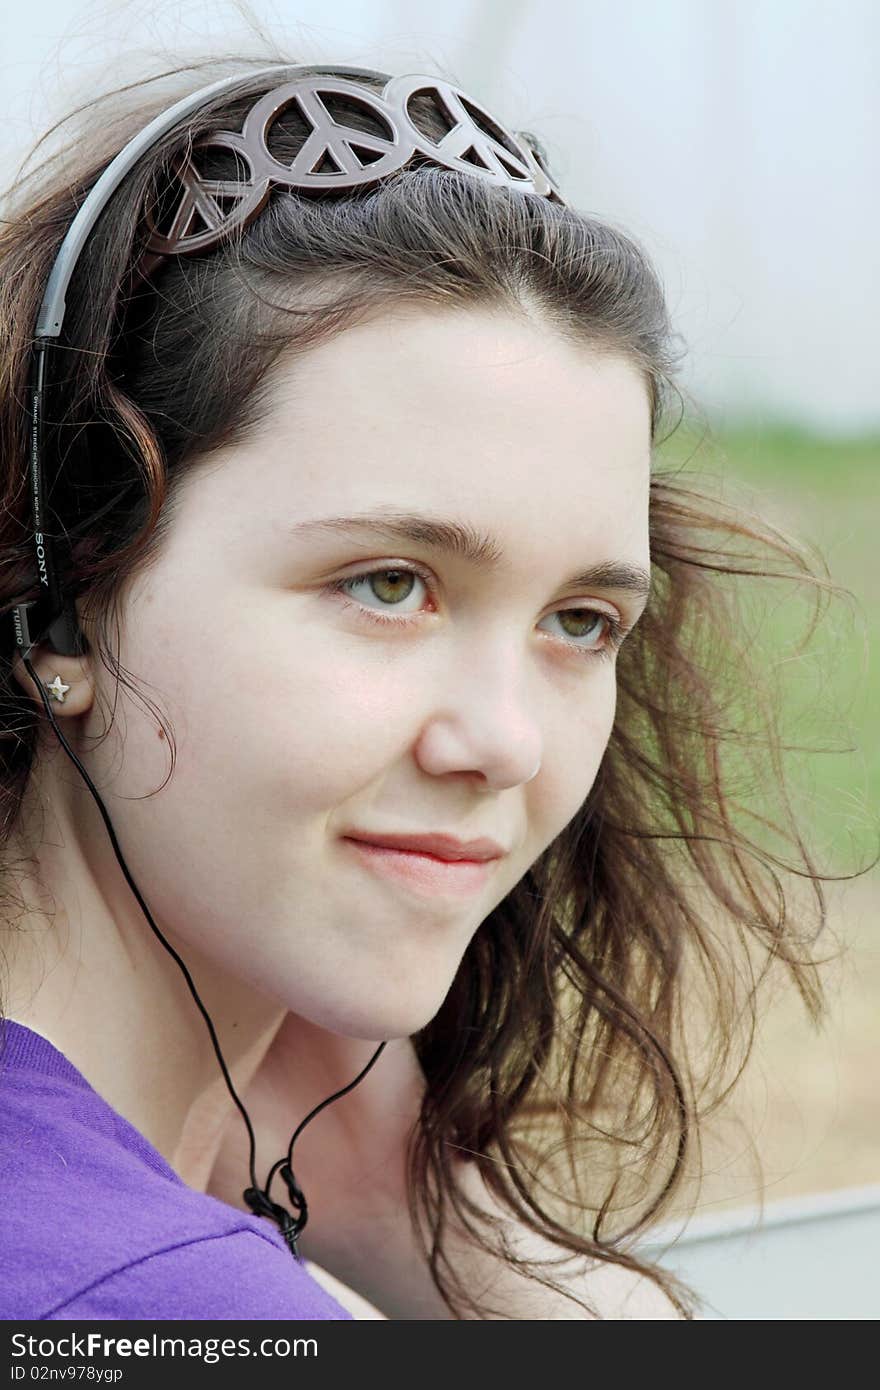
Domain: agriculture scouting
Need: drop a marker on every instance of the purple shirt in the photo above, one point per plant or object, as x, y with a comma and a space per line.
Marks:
95, 1224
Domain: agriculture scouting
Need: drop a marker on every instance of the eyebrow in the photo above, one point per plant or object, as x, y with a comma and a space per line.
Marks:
464, 542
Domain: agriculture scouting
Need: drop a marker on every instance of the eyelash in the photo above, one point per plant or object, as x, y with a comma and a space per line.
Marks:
614, 628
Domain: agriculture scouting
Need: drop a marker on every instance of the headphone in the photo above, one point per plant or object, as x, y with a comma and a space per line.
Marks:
52, 619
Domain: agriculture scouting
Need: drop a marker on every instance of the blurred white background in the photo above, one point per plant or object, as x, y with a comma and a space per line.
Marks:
737, 139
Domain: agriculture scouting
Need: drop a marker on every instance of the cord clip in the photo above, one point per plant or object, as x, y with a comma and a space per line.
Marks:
261, 1204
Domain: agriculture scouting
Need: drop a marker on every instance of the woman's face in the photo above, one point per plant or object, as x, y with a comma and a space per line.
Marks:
480, 706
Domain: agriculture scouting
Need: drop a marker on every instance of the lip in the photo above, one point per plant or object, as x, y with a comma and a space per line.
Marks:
426, 875
438, 846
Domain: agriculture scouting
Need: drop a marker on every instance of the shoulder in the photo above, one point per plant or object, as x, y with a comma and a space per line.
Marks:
236, 1276
97, 1225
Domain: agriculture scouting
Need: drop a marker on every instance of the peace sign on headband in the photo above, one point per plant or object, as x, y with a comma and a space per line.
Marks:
338, 156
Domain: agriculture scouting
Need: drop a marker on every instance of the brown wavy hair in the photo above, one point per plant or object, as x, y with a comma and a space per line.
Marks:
563, 1061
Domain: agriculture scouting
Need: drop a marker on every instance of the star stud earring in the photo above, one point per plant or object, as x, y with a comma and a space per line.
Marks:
57, 689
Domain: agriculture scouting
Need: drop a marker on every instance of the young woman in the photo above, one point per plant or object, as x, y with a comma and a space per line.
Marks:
405, 679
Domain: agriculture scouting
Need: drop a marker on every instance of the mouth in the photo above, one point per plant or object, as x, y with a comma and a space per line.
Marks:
425, 874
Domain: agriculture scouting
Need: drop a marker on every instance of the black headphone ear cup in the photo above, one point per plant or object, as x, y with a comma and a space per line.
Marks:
64, 634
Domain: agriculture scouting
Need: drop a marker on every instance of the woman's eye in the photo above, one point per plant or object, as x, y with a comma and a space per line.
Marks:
393, 586
590, 622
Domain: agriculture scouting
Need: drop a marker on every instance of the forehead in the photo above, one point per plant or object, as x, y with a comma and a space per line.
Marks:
495, 417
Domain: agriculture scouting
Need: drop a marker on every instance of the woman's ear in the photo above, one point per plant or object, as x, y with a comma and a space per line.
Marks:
75, 683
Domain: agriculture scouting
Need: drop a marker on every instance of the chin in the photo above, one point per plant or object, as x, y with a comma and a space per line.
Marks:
385, 1016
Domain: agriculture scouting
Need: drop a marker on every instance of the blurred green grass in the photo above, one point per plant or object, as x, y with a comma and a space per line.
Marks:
826, 494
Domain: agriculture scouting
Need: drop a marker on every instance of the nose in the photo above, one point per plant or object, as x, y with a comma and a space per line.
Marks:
484, 722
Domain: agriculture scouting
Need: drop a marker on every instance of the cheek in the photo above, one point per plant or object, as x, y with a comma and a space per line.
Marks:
263, 752
328, 725
574, 748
